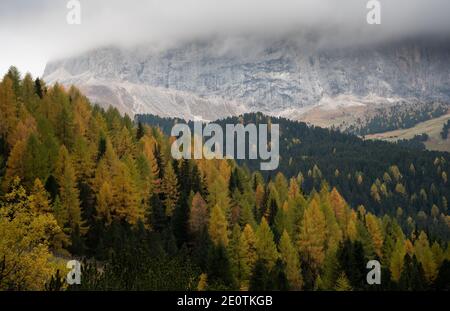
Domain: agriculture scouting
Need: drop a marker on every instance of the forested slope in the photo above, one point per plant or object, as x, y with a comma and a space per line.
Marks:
82, 182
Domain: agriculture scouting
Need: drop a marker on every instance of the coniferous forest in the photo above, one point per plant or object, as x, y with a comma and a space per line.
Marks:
397, 117
81, 182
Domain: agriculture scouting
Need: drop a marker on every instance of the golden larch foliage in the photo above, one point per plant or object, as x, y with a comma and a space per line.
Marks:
313, 234
374, 227
217, 228
266, 249
289, 256
247, 254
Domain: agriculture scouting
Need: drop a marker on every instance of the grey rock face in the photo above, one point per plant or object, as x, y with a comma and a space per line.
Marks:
270, 78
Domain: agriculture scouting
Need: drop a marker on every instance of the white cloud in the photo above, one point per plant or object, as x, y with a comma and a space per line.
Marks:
33, 32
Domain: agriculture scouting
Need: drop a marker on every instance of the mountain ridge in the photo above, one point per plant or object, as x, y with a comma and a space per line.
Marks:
273, 79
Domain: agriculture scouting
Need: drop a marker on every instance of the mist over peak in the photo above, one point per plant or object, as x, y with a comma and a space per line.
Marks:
163, 23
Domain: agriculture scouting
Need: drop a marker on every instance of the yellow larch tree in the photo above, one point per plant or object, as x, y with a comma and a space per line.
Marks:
313, 234
424, 255
247, 254
266, 249
170, 189
374, 227
68, 191
25, 237
218, 227
289, 256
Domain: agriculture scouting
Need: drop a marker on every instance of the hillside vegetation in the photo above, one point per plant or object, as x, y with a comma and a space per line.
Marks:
433, 128
80, 181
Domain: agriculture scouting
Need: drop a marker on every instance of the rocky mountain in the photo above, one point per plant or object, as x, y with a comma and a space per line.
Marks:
218, 78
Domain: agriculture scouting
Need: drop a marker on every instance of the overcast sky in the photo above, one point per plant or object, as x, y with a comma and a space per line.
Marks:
34, 32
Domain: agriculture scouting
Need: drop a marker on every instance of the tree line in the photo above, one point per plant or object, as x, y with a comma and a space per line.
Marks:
79, 181
400, 116
386, 178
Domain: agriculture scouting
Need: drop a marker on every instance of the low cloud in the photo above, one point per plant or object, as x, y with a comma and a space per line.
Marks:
34, 32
